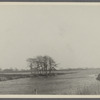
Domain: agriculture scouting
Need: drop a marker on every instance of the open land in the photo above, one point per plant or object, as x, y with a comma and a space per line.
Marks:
71, 82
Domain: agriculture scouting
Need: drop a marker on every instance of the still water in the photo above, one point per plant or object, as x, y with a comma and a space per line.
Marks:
59, 84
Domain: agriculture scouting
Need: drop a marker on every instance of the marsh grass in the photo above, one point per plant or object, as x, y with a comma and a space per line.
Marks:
93, 89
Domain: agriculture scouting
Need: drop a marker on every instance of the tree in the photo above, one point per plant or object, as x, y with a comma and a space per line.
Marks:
43, 65
31, 64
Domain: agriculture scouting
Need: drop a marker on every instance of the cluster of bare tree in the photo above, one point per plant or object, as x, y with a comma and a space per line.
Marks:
43, 65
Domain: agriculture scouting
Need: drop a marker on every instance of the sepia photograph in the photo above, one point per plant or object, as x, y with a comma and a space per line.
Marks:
49, 49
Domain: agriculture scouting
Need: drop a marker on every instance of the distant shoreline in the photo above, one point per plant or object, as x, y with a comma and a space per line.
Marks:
17, 75
13, 76
6, 77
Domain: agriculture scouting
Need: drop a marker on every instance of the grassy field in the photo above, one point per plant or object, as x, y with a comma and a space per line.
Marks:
90, 85
74, 82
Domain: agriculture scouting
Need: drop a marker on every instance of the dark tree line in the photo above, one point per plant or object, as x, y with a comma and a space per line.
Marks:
43, 65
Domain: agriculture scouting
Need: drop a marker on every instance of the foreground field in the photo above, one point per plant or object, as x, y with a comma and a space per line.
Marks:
78, 82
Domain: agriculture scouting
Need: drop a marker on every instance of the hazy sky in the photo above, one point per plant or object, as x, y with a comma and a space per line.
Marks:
68, 33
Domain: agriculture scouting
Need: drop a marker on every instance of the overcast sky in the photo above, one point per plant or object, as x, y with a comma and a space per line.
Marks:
70, 34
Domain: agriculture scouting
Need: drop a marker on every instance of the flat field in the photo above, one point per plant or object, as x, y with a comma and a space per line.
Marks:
74, 82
